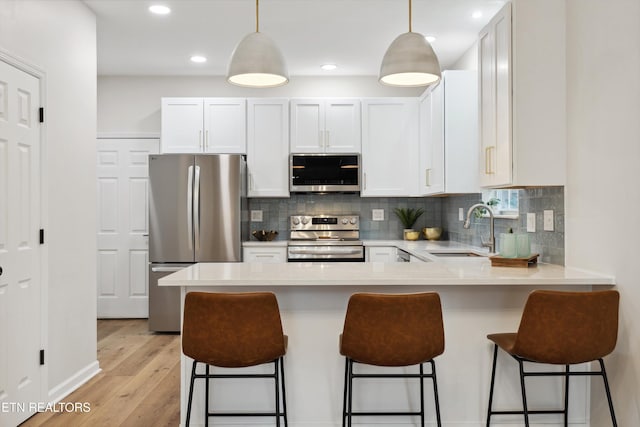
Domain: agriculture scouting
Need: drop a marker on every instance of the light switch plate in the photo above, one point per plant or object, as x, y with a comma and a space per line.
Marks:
531, 222
460, 214
256, 216
377, 214
548, 220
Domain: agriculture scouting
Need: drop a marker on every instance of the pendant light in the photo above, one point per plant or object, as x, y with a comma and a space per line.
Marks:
257, 62
409, 61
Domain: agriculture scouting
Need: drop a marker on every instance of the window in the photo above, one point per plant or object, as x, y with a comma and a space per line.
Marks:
504, 203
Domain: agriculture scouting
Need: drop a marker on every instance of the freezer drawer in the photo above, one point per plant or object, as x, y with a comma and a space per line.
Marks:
164, 301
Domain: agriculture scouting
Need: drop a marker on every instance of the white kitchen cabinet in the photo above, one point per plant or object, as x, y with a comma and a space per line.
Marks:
380, 254
390, 133
203, 125
449, 136
325, 126
522, 90
268, 147
265, 254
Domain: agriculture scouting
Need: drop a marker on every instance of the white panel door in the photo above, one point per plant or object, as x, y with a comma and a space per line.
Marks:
123, 226
20, 282
182, 125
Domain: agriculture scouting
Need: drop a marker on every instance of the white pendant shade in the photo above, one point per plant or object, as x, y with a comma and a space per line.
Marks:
410, 61
257, 62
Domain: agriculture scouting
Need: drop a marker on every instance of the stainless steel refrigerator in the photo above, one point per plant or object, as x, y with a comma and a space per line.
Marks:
196, 208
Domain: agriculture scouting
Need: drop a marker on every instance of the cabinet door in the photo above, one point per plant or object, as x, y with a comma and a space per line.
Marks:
307, 126
270, 255
495, 101
432, 160
268, 147
342, 126
225, 123
182, 125
389, 147
381, 254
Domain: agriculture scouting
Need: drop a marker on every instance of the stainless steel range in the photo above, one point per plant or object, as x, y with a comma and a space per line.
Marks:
326, 238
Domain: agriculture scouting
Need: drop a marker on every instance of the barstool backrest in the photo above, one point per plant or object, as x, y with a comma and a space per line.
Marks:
393, 329
568, 327
232, 329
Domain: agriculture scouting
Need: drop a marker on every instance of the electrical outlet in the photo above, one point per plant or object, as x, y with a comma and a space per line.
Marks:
548, 220
377, 214
460, 214
256, 216
531, 222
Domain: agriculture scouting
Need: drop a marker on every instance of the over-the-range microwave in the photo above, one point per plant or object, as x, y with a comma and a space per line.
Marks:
324, 173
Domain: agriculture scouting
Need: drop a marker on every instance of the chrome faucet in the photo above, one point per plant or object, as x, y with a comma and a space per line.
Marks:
491, 244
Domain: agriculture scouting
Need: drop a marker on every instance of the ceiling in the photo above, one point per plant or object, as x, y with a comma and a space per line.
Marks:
354, 34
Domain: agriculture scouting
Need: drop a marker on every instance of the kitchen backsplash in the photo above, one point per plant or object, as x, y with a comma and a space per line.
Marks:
439, 212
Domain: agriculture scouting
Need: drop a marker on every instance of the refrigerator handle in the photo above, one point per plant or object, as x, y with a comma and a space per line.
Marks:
196, 208
190, 207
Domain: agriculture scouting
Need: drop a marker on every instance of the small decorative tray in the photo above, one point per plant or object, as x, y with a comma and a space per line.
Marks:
499, 261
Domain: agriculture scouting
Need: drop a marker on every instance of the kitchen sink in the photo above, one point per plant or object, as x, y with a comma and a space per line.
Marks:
455, 254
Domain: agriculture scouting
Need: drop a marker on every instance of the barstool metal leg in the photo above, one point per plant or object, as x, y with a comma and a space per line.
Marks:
350, 397
566, 396
277, 391
524, 394
284, 394
344, 396
608, 391
193, 378
421, 395
206, 396
493, 378
435, 393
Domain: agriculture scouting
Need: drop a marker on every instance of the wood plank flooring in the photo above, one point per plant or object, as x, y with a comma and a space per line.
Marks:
139, 384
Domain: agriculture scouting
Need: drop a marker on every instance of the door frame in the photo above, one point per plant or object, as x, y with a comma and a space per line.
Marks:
41, 75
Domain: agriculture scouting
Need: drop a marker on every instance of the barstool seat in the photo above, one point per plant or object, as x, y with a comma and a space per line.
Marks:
234, 330
392, 330
560, 328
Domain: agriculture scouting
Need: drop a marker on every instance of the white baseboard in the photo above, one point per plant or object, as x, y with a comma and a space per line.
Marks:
71, 384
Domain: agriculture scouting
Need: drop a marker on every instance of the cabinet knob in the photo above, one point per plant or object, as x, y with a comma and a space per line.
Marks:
0, 271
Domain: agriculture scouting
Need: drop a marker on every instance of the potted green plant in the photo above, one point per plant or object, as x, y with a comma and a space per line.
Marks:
408, 217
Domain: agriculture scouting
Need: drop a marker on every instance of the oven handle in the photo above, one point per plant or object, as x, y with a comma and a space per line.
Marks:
314, 252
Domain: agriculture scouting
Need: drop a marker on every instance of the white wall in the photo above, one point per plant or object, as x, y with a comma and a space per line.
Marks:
59, 37
602, 195
131, 105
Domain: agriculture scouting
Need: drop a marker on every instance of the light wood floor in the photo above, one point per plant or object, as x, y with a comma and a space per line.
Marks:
139, 384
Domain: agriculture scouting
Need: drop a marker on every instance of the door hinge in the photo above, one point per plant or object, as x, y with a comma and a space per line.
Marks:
42, 236
41, 111
42, 357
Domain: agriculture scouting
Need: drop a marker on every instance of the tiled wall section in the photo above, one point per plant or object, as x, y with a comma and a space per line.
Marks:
549, 244
439, 211
276, 212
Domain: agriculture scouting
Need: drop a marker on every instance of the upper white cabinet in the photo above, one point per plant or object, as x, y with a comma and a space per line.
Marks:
522, 89
325, 125
449, 136
389, 147
268, 147
203, 125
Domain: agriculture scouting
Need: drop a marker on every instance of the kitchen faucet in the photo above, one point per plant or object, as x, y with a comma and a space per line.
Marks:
491, 244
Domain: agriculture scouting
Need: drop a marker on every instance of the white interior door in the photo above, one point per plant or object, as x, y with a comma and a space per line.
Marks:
123, 256
20, 282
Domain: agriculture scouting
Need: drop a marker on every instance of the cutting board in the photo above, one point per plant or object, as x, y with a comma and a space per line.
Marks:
499, 261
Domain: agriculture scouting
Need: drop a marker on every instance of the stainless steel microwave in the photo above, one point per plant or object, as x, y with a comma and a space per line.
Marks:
324, 173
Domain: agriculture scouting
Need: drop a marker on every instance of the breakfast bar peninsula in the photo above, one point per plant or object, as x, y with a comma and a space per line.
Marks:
477, 299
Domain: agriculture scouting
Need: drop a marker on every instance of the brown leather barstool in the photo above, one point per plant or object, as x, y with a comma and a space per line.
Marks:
560, 328
391, 330
234, 330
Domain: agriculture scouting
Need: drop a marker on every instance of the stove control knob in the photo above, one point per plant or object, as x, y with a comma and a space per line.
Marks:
305, 219
354, 220
295, 220
345, 221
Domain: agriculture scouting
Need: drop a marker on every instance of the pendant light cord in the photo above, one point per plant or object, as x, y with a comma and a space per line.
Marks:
257, 18
409, 15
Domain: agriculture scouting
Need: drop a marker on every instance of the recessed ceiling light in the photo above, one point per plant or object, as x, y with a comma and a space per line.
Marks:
329, 67
159, 9
477, 14
430, 39
199, 59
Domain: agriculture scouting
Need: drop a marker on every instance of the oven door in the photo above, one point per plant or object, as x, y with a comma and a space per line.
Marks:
326, 253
